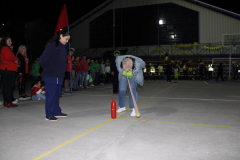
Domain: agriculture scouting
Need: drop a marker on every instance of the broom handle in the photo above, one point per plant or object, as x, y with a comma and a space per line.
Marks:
134, 101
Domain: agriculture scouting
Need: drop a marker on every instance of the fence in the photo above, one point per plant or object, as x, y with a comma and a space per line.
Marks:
161, 50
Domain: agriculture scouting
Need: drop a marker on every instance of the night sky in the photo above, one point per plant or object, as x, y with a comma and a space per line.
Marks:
49, 11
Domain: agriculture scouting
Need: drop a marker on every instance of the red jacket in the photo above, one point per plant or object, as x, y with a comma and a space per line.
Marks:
68, 64
78, 68
8, 60
84, 66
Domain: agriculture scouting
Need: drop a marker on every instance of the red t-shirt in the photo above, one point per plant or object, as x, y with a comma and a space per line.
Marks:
84, 66
68, 64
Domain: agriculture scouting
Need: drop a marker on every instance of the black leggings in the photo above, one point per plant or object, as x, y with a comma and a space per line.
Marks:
115, 82
8, 78
22, 85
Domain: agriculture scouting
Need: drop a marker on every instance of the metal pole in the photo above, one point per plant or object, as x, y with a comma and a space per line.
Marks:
69, 49
113, 25
230, 59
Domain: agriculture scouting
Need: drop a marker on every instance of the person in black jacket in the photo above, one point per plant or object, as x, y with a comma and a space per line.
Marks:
114, 72
220, 71
169, 72
22, 75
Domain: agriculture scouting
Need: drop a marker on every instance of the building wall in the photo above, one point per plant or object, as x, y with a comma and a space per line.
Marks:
211, 24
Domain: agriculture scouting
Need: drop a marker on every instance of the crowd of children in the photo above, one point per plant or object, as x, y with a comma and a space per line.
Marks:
180, 69
98, 73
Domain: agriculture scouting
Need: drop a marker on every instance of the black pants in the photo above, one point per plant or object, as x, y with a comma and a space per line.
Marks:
22, 85
219, 74
169, 77
115, 82
185, 74
8, 78
107, 78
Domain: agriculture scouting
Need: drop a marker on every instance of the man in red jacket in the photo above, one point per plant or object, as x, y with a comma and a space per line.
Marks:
84, 68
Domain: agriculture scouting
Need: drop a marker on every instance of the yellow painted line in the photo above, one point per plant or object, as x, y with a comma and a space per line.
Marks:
73, 139
207, 125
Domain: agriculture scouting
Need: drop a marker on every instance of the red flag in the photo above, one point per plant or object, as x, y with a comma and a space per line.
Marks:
62, 20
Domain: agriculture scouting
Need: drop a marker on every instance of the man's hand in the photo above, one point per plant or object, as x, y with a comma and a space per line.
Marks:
112, 73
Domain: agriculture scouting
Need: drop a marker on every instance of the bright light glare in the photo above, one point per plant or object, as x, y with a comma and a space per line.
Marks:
160, 21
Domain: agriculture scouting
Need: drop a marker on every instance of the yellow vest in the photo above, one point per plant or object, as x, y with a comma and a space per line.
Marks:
184, 67
152, 69
144, 70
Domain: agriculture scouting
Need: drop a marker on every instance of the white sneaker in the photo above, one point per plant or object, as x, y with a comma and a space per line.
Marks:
92, 85
15, 101
133, 113
119, 110
22, 98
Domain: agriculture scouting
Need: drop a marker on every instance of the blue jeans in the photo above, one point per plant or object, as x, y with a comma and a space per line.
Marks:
41, 96
161, 75
151, 76
76, 80
123, 85
84, 79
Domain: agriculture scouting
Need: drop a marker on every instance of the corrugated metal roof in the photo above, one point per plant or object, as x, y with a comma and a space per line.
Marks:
215, 8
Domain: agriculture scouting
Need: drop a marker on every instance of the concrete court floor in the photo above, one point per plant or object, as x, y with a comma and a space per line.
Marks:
188, 120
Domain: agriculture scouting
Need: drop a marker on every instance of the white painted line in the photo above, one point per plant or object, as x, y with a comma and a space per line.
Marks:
197, 99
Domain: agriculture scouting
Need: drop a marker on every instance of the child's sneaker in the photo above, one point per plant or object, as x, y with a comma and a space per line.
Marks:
61, 115
15, 101
27, 97
119, 110
22, 98
133, 113
52, 118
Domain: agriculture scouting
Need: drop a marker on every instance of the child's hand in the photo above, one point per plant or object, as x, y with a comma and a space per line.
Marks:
42, 87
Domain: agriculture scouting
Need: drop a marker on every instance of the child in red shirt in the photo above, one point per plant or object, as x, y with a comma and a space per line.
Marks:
38, 92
